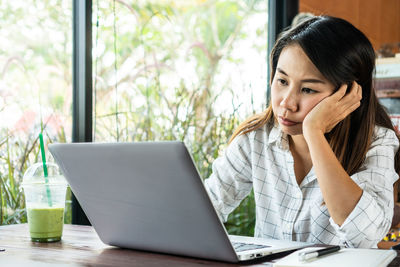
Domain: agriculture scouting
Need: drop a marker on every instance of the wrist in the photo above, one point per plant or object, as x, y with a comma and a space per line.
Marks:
310, 133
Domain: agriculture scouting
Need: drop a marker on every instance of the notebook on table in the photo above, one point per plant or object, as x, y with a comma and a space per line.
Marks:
346, 257
149, 196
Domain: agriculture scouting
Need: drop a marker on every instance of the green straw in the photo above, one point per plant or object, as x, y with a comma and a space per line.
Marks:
45, 170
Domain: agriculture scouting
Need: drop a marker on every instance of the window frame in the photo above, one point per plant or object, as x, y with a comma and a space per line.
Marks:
280, 15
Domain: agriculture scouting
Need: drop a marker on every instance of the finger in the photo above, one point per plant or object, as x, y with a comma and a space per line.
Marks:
359, 90
354, 107
347, 110
340, 92
353, 96
348, 102
356, 88
353, 86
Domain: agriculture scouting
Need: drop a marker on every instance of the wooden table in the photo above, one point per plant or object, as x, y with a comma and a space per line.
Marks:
80, 246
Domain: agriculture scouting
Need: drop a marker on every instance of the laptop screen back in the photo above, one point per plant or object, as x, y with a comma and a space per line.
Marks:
145, 195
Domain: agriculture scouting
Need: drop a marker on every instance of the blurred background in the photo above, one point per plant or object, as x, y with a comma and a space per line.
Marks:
125, 71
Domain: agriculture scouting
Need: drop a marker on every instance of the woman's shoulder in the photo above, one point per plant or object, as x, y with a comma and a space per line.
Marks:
383, 135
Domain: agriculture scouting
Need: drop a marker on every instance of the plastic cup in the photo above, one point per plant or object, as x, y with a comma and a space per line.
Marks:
45, 202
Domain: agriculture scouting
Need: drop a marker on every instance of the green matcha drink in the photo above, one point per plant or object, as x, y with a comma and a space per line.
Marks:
44, 188
46, 223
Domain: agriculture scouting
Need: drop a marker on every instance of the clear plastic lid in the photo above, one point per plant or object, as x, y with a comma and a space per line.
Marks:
35, 175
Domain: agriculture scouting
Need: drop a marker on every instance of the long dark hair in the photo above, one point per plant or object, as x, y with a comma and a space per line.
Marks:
342, 54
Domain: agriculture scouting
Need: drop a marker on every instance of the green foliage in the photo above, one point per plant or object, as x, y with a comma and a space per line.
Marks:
177, 85
11, 200
18, 153
174, 76
35, 85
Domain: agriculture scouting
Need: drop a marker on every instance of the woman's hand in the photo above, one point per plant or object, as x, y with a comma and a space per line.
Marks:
333, 109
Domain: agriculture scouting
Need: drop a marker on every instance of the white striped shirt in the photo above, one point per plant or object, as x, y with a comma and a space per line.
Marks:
262, 160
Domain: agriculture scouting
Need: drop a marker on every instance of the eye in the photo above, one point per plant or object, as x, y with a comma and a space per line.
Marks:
308, 90
281, 81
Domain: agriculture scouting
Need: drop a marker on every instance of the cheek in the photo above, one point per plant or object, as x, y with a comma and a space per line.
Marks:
275, 97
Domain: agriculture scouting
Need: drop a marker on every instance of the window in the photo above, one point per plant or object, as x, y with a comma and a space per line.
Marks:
35, 91
179, 70
162, 70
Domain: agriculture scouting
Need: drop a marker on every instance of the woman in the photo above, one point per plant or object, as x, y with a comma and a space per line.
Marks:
323, 157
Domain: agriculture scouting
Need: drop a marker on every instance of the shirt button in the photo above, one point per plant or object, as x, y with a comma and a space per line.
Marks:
299, 194
288, 228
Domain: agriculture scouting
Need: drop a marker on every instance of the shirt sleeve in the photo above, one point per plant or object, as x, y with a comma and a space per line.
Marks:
231, 178
371, 218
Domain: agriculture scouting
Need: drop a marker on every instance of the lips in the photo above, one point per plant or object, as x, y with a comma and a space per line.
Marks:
286, 122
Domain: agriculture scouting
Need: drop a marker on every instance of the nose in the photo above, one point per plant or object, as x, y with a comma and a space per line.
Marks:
289, 101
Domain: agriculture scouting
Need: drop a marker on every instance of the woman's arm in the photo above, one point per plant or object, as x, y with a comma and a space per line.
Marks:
360, 206
340, 192
371, 217
231, 178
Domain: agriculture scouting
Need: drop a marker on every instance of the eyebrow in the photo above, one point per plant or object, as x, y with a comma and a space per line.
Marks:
304, 81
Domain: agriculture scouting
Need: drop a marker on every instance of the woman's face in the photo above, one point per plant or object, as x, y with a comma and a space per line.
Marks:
296, 88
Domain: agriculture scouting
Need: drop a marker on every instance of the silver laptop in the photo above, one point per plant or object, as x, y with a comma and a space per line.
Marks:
149, 196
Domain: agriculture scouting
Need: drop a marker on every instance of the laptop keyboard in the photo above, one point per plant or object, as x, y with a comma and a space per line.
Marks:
238, 246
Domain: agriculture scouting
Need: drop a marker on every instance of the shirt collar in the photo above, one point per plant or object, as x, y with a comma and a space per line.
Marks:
280, 138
